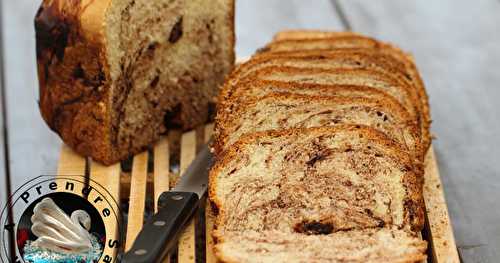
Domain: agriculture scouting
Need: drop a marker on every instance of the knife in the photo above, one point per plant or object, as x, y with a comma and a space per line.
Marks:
161, 233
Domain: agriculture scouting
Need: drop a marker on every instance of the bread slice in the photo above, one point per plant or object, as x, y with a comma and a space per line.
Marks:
359, 77
278, 111
315, 40
315, 183
370, 245
114, 73
341, 41
305, 34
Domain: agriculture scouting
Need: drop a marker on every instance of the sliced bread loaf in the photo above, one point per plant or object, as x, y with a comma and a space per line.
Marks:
114, 73
316, 184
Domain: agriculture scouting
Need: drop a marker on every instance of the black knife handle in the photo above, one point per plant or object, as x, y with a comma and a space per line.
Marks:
161, 233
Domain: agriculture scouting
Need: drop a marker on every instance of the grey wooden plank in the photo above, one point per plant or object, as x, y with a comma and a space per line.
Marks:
258, 20
33, 147
4, 173
3, 176
456, 46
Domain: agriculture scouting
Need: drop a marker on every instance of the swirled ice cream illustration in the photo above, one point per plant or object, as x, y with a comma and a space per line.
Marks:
67, 238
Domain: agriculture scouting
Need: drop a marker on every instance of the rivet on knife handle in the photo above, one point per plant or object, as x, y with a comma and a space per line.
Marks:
161, 233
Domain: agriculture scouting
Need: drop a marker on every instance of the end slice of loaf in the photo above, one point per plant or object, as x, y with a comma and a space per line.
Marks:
316, 184
115, 73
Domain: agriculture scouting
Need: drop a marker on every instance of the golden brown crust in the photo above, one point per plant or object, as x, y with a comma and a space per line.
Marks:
73, 75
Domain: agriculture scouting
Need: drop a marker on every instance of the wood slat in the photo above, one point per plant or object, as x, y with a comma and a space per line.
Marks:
137, 199
109, 177
161, 174
187, 245
70, 163
443, 244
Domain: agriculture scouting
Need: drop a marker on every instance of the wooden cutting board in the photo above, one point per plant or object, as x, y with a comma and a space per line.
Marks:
167, 160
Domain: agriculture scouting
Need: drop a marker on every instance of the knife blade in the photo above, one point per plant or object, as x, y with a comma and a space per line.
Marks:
161, 233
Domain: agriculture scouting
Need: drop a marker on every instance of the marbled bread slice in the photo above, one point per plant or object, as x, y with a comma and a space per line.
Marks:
359, 77
312, 183
278, 111
258, 89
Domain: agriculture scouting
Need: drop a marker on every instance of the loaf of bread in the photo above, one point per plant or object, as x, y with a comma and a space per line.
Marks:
320, 140
114, 74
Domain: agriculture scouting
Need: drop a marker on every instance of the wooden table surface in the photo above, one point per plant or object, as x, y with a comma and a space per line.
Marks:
457, 48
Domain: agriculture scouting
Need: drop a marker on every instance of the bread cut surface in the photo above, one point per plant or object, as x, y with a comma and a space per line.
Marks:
114, 74
315, 182
282, 110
